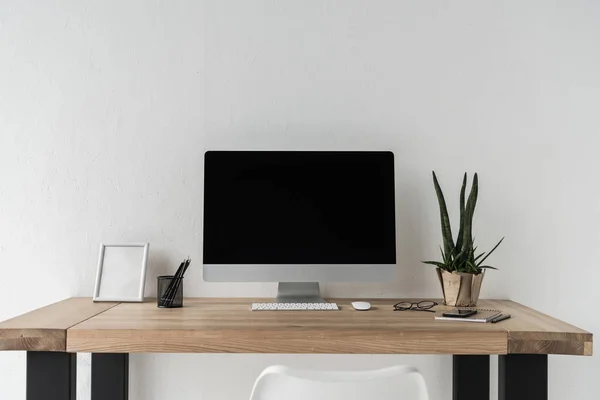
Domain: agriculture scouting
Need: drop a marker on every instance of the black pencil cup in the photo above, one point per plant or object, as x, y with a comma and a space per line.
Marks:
170, 292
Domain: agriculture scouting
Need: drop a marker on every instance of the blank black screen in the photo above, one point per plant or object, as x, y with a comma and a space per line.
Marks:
272, 207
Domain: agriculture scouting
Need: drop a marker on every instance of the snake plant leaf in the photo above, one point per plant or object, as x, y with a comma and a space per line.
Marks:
444, 258
472, 267
445, 220
469, 211
491, 251
459, 238
460, 259
436, 263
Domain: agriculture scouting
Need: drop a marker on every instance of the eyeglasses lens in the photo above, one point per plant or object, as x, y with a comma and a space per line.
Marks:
425, 305
403, 306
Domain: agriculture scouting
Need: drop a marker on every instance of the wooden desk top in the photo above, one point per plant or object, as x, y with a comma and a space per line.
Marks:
210, 325
45, 329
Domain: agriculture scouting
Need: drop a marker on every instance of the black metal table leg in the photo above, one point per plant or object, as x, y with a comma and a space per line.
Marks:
51, 375
470, 377
110, 376
523, 377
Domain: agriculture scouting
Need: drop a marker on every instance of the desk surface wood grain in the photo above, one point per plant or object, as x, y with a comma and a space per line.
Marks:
211, 325
532, 332
45, 329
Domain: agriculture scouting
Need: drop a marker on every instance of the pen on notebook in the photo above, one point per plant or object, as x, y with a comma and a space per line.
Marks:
500, 318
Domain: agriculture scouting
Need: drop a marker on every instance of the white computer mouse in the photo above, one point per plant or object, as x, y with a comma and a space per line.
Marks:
361, 305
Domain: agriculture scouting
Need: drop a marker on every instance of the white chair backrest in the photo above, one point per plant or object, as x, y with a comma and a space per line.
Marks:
394, 383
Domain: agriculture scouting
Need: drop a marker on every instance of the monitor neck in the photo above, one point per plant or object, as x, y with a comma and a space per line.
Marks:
299, 292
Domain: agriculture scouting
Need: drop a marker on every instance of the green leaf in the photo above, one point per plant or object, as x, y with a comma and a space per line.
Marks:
472, 267
479, 256
487, 267
491, 251
459, 239
445, 220
469, 211
460, 259
436, 263
443, 255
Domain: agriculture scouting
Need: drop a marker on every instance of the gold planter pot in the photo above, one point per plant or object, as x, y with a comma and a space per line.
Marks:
460, 289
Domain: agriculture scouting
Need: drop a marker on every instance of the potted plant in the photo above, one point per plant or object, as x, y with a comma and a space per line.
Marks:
460, 271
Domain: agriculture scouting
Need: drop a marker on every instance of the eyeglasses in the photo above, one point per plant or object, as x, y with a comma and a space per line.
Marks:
424, 305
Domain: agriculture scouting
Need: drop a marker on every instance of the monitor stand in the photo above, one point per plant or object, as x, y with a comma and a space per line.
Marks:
299, 292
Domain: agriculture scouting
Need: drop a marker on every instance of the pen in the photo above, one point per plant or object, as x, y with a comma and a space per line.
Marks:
177, 281
500, 318
169, 292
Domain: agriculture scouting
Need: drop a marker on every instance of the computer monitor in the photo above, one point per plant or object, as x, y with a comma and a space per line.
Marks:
299, 218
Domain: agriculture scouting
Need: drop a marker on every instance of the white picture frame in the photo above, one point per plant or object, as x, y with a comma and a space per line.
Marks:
129, 266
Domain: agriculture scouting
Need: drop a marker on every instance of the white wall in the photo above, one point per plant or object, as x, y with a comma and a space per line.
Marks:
107, 106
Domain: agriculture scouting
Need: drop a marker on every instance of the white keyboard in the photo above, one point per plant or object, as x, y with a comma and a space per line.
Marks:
294, 307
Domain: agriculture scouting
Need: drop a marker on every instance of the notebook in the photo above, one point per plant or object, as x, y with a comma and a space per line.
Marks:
483, 315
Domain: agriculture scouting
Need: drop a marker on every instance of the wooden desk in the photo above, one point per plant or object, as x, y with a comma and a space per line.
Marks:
112, 331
